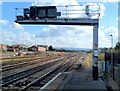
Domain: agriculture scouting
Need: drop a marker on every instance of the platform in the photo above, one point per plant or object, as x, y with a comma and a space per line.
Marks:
80, 79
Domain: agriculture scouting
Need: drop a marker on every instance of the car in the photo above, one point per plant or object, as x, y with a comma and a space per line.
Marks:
82, 57
25, 53
16, 54
78, 65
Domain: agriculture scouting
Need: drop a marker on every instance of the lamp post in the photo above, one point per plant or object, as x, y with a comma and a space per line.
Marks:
112, 56
111, 41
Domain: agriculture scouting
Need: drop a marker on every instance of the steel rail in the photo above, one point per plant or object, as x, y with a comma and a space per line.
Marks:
9, 67
65, 66
41, 78
16, 76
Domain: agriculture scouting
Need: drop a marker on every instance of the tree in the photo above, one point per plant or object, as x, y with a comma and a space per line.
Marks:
117, 47
50, 48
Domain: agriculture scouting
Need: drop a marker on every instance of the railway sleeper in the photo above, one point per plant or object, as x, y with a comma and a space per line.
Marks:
22, 83
20, 76
46, 80
50, 77
34, 88
38, 84
42, 84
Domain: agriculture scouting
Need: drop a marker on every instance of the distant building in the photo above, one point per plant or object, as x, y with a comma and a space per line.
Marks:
20, 46
41, 49
10, 48
3, 46
43, 46
36, 48
33, 48
17, 48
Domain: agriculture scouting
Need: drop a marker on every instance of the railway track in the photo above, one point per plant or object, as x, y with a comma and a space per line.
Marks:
27, 59
10, 67
18, 65
17, 58
34, 57
64, 66
41, 81
16, 76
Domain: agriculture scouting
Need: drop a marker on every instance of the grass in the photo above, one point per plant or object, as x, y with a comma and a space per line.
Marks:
7, 60
88, 60
31, 57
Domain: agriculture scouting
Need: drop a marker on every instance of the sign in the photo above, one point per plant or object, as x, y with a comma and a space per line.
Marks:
95, 52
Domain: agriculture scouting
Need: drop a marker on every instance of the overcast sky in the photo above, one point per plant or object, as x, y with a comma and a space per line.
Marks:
57, 35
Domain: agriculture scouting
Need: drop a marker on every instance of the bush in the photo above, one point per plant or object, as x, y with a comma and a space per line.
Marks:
101, 57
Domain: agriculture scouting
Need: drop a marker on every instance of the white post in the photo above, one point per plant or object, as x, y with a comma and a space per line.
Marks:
95, 52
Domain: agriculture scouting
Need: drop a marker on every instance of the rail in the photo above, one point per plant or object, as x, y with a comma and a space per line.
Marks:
19, 75
65, 66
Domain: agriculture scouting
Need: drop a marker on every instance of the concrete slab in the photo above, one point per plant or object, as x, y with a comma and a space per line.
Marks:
80, 79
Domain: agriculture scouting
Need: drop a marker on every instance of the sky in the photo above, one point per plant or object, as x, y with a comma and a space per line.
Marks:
58, 35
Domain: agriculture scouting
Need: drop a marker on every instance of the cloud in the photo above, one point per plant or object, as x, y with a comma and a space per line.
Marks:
118, 18
104, 36
16, 26
20, 38
67, 36
111, 30
78, 36
56, 31
38, 3
62, 36
4, 22
0, 2
51, 1
111, 0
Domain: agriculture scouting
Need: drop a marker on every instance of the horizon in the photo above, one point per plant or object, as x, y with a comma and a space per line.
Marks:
59, 47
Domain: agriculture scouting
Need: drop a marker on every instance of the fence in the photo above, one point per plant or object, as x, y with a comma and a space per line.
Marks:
112, 66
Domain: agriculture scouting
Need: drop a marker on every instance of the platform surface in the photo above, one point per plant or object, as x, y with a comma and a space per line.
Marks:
80, 79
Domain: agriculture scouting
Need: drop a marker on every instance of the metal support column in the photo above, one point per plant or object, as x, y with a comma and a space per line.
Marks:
95, 52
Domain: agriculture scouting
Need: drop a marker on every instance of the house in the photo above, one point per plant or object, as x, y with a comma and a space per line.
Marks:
17, 48
41, 49
20, 47
10, 48
36, 48
2, 46
43, 46
33, 48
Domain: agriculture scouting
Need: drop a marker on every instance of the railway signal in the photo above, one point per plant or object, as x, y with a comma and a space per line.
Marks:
49, 15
